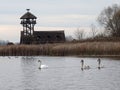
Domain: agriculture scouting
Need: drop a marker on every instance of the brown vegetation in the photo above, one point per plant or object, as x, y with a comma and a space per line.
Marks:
63, 49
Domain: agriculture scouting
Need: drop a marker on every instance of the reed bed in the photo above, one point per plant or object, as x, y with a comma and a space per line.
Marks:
62, 49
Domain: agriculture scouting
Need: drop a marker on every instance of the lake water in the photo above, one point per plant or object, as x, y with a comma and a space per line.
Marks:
63, 73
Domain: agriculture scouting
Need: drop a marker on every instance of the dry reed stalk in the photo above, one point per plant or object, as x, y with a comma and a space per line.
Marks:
62, 49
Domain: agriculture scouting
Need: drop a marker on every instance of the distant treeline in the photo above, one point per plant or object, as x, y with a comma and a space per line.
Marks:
62, 49
3, 42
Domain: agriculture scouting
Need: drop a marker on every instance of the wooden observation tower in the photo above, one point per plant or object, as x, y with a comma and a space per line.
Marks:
28, 21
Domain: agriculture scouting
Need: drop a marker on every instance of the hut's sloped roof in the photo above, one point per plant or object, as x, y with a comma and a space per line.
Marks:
50, 32
28, 15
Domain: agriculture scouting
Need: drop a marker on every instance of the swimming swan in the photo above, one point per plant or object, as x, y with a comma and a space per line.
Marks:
84, 66
99, 64
42, 66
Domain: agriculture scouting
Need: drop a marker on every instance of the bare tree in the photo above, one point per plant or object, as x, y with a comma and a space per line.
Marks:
79, 34
69, 38
110, 19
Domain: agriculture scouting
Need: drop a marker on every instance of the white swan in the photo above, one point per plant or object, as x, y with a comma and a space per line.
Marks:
84, 66
99, 64
42, 66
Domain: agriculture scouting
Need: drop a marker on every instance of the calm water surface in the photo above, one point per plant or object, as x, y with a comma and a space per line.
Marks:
63, 73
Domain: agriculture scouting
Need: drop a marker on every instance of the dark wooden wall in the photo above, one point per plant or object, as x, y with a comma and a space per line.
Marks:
42, 37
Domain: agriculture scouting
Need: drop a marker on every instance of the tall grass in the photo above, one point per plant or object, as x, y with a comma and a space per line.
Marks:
62, 49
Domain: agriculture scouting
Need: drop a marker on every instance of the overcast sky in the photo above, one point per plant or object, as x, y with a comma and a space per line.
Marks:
51, 15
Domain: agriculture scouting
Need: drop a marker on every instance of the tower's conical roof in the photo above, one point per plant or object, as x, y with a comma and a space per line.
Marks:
28, 15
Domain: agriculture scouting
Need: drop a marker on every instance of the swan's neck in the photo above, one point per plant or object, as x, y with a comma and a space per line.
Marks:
40, 66
99, 64
82, 64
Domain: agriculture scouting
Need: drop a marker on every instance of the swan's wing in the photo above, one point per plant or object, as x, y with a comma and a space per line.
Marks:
44, 66
102, 66
86, 67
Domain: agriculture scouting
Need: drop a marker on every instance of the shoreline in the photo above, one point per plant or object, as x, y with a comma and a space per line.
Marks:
101, 56
85, 56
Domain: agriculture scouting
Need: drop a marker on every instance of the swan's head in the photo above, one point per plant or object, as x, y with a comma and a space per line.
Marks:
39, 60
82, 61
